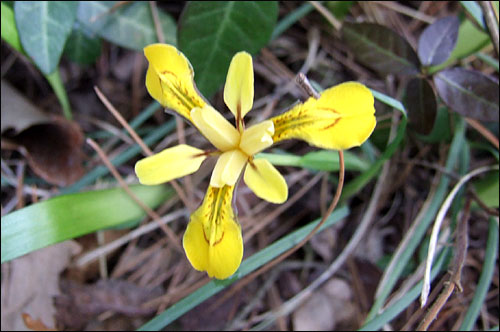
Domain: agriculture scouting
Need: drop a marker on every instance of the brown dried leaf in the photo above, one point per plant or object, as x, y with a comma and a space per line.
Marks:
35, 324
17, 112
30, 283
53, 150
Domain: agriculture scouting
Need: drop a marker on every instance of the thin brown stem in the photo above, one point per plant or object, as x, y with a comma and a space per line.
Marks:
125, 187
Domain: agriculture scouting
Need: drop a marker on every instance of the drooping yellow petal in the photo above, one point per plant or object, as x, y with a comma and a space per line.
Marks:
228, 168
266, 181
343, 117
169, 79
257, 137
215, 128
169, 164
238, 91
213, 241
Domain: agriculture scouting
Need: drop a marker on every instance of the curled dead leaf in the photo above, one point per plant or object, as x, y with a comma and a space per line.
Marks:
52, 145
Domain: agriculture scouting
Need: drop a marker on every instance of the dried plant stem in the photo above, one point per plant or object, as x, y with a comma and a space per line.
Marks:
461, 243
326, 13
437, 225
483, 131
156, 21
123, 184
94, 254
491, 22
140, 142
122, 121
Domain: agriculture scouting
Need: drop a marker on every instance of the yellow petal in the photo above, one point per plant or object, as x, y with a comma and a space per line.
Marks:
169, 79
228, 168
213, 241
343, 117
265, 181
238, 91
257, 137
215, 128
169, 164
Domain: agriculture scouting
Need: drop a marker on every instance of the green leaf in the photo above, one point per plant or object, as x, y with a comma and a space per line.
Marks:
380, 48
441, 131
420, 101
469, 93
475, 11
470, 40
322, 160
69, 216
211, 32
44, 27
83, 47
438, 41
249, 265
127, 25
339, 8
487, 189
9, 29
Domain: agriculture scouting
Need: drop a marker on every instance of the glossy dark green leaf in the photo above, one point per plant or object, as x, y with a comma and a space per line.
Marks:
438, 41
83, 46
420, 101
129, 25
469, 93
69, 216
44, 27
211, 32
380, 48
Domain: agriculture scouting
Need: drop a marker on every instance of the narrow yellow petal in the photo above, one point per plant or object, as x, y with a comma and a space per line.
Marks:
169, 164
212, 240
215, 128
257, 137
265, 181
169, 79
238, 91
343, 117
228, 168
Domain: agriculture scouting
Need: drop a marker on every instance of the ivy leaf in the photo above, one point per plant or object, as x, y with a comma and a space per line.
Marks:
211, 32
127, 25
438, 41
469, 93
380, 48
83, 47
420, 101
44, 27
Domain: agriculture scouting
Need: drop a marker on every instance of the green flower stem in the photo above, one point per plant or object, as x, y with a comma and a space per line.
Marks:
55, 82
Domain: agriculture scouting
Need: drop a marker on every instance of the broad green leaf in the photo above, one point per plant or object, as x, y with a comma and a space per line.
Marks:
438, 41
44, 27
83, 47
211, 32
69, 216
487, 189
249, 265
420, 101
129, 25
469, 93
9, 29
380, 48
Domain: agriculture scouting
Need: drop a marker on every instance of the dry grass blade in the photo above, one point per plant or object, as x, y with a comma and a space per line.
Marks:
123, 184
437, 225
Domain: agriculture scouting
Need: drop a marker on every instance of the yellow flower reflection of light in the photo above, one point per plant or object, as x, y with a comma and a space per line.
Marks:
343, 117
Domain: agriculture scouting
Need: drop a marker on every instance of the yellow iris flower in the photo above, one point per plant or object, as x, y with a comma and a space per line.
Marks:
341, 118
